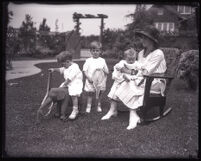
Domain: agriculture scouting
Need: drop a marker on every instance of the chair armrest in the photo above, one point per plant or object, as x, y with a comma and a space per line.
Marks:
151, 77
158, 75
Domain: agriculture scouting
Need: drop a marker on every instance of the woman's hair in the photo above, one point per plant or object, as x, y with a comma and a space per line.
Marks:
63, 56
95, 44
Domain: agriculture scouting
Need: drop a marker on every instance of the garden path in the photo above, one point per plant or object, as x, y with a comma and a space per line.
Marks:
23, 68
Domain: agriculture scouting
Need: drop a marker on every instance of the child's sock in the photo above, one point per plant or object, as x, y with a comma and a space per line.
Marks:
99, 107
88, 109
74, 113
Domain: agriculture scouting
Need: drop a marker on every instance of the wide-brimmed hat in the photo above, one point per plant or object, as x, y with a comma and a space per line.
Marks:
149, 31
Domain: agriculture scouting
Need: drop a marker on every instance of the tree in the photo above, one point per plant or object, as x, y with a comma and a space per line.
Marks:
11, 42
27, 34
43, 26
44, 30
56, 26
140, 18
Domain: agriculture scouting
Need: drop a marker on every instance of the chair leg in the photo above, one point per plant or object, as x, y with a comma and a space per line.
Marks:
161, 108
167, 111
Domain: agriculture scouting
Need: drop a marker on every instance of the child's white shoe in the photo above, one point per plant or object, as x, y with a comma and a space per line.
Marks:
99, 108
74, 114
88, 109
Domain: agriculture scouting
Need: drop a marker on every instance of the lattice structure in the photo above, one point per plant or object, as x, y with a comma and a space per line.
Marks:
78, 16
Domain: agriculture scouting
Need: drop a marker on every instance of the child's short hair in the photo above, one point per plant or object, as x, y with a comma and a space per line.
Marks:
64, 55
95, 44
131, 52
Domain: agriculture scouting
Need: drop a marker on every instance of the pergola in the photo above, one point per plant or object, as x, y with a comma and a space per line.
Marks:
78, 16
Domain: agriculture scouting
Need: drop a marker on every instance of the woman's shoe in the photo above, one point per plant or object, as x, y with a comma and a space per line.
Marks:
109, 115
131, 126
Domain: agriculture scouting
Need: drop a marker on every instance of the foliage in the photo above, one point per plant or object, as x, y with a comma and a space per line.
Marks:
42, 52
56, 25
172, 56
86, 40
117, 41
44, 30
188, 68
140, 18
43, 26
27, 34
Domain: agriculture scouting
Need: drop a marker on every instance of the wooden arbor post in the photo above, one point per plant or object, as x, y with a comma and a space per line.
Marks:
78, 16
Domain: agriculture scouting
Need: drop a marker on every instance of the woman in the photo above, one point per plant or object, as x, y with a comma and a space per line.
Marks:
152, 60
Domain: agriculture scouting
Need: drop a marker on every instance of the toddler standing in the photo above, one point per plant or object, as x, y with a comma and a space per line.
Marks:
90, 68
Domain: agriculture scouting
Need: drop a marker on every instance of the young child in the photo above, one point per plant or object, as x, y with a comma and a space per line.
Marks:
90, 68
72, 85
124, 83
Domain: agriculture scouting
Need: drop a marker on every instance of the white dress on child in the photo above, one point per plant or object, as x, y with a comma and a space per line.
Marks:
73, 73
153, 63
119, 80
90, 66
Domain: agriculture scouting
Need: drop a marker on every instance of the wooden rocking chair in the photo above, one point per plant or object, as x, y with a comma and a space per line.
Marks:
154, 100
154, 105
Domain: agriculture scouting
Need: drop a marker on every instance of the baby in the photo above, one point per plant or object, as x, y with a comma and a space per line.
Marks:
125, 82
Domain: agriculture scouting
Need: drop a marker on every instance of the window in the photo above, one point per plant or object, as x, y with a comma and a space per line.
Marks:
171, 27
156, 25
160, 26
165, 26
184, 9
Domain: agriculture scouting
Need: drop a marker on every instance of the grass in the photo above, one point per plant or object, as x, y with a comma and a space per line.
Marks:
174, 136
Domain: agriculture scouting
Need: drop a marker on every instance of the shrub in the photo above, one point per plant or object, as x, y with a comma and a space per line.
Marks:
110, 54
188, 68
172, 56
42, 52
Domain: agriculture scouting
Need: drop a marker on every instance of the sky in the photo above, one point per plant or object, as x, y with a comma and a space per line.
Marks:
116, 15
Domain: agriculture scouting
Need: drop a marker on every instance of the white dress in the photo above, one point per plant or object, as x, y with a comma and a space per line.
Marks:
119, 80
153, 63
73, 73
90, 66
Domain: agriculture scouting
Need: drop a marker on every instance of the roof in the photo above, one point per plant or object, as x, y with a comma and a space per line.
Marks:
170, 8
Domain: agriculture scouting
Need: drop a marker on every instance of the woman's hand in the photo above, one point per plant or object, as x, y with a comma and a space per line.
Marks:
126, 78
90, 81
125, 70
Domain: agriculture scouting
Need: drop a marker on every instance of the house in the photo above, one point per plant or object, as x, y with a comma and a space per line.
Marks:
173, 19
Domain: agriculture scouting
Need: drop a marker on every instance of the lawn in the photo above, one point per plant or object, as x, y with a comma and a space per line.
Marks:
174, 136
